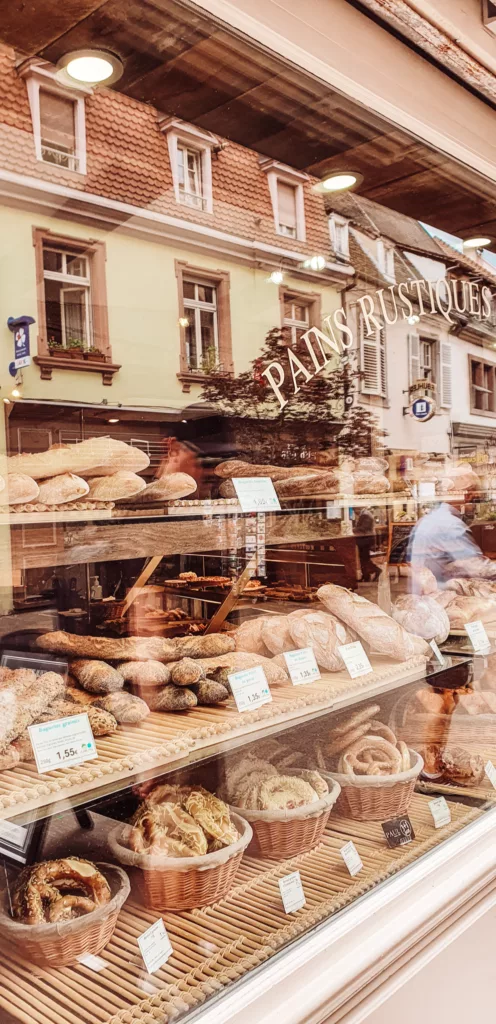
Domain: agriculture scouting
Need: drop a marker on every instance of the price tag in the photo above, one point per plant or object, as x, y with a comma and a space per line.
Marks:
436, 651
490, 771
302, 666
256, 494
351, 858
155, 946
250, 688
440, 811
398, 831
355, 659
61, 743
95, 963
478, 636
292, 895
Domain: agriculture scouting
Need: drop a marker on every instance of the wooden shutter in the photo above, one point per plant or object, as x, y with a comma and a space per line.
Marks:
445, 375
413, 358
57, 121
370, 361
383, 362
286, 201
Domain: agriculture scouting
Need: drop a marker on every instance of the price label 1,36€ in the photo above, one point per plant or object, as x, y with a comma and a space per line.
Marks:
250, 688
62, 743
302, 666
355, 659
256, 494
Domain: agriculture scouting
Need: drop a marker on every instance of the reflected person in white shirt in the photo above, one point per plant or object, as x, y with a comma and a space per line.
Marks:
443, 543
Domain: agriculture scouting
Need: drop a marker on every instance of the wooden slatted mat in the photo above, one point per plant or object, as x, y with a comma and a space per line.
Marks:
215, 945
164, 738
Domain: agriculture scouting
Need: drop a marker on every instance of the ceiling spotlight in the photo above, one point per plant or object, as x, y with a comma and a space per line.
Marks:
91, 67
113, 421
16, 393
413, 319
339, 182
183, 321
476, 243
276, 277
315, 263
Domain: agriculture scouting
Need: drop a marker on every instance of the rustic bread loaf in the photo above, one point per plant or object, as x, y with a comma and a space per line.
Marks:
71, 458
169, 487
380, 631
219, 668
470, 609
248, 636
365, 482
422, 615
371, 464
208, 691
121, 484
21, 488
125, 707
237, 467
173, 698
227, 489
145, 673
310, 483
18, 711
9, 758
325, 634
186, 672
203, 646
56, 490
136, 648
127, 459
96, 676
102, 723
275, 634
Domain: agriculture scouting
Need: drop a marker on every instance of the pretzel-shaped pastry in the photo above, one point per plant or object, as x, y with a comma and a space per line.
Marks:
38, 890
355, 761
66, 908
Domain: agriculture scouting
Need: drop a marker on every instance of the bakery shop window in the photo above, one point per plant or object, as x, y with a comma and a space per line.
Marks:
482, 387
72, 304
373, 365
204, 322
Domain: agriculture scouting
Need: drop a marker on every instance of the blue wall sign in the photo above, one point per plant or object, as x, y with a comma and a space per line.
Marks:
20, 328
423, 409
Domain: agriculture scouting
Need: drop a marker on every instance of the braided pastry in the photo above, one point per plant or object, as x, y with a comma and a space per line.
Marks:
37, 894
166, 828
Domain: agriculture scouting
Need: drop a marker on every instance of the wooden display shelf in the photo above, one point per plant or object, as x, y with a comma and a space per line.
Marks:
169, 740
70, 516
216, 945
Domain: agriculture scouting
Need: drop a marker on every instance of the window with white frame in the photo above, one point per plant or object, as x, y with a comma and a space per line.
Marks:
287, 223
189, 176
201, 331
385, 259
339, 229
427, 362
287, 197
58, 118
373, 360
296, 320
67, 293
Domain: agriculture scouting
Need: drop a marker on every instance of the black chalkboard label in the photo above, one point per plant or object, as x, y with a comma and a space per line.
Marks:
398, 831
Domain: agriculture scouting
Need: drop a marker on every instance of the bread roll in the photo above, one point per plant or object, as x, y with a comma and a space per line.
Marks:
422, 615
227, 489
96, 676
173, 698
70, 458
380, 631
21, 488
208, 691
186, 672
324, 633
145, 673
119, 485
168, 487
57, 490
124, 707
127, 459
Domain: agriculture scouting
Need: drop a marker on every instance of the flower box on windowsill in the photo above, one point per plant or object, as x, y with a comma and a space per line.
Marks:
95, 356
189, 377
57, 359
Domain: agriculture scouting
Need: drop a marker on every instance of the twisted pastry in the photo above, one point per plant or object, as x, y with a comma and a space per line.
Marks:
37, 895
356, 761
212, 814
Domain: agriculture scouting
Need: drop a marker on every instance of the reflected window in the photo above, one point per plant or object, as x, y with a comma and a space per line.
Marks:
189, 173
373, 361
482, 387
296, 320
58, 130
427, 361
201, 331
339, 230
67, 288
286, 207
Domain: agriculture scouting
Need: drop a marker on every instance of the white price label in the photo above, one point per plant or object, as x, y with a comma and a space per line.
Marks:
155, 946
440, 811
436, 651
302, 666
292, 895
250, 688
95, 963
61, 743
351, 858
15, 834
478, 636
490, 771
355, 659
256, 494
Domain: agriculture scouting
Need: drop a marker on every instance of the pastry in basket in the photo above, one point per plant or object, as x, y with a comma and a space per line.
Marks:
363, 745
58, 890
255, 784
212, 814
282, 792
181, 821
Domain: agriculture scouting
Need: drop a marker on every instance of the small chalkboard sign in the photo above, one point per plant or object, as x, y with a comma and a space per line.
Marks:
398, 543
398, 831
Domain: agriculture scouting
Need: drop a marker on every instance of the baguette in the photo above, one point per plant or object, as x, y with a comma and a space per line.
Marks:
136, 648
236, 467
121, 484
310, 483
94, 453
127, 459
56, 490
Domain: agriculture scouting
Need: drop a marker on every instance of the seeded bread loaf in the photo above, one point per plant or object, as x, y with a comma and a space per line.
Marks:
96, 676
20, 709
186, 672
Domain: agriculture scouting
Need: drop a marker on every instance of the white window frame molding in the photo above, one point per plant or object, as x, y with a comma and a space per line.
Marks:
43, 76
335, 221
194, 138
277, 172
385, 252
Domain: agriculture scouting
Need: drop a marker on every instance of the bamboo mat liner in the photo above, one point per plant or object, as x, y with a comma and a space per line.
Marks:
217, 945
165, 737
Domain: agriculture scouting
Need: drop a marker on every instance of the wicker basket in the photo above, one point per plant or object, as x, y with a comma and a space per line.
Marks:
60, 944
183, 883
282, 834
378, 797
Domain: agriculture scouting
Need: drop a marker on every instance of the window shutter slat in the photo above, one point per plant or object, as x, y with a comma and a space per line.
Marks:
413, 357
446, 383
383, 363
370, 362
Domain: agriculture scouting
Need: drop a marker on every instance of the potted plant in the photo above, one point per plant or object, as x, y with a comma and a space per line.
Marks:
93, 354
75, 347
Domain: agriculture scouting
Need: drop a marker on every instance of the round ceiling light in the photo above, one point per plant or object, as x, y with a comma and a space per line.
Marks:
339, 182
476, 243
91, 67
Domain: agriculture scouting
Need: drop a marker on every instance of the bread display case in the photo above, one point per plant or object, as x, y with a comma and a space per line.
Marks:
247, 584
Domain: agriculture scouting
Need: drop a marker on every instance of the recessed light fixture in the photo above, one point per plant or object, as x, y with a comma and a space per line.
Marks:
476, 243
91, 67
113, 421
276, 277
339, 182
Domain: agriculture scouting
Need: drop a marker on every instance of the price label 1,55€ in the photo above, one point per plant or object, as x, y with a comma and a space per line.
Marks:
62, 743
250, 688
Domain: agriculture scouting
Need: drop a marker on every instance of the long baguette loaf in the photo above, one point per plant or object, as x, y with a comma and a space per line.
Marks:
135, 648
94, 453
121, 484
311, 483
17, 711
380, 631
236, 467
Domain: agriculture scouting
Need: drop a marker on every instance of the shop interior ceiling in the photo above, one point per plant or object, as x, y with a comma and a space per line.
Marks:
186, 63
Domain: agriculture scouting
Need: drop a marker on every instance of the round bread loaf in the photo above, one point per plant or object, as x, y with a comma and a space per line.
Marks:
56, 490
21, 488
122, 484
168, 487
186, 672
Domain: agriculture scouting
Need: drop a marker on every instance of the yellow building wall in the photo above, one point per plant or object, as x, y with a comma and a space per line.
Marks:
142, 309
